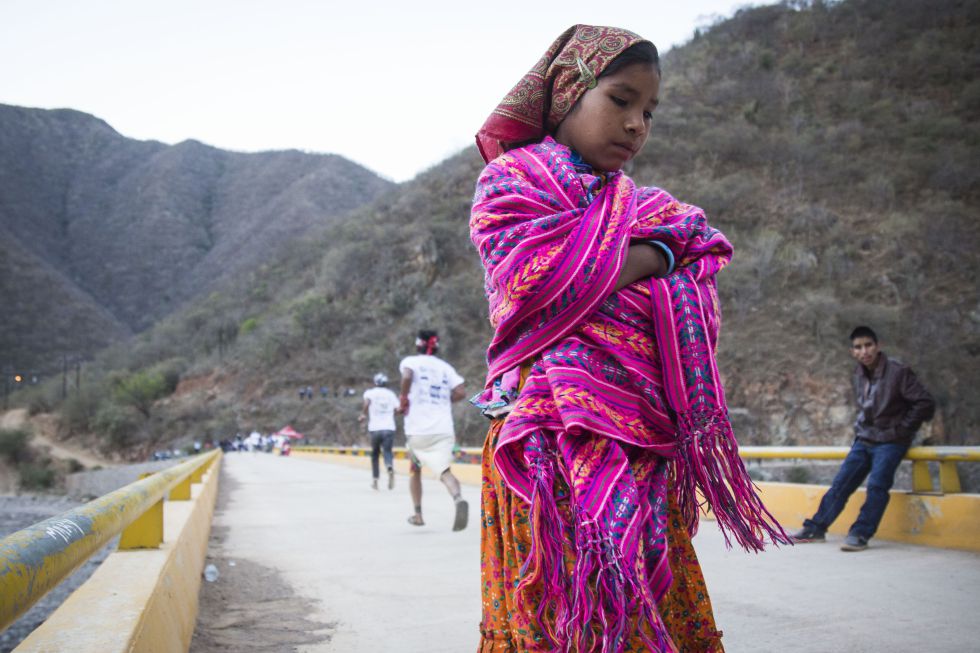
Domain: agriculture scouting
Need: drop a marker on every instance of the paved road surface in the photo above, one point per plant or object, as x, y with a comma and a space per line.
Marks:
388, 586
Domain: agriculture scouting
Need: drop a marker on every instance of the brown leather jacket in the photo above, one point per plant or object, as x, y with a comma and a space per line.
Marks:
892, 404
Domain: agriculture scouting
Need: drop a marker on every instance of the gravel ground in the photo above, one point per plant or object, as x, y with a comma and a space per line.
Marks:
17, 512
95, 483
20, 511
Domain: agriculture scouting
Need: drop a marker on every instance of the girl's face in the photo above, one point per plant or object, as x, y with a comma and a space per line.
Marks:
611, 122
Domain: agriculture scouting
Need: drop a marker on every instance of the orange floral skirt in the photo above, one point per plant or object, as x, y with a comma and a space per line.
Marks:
506, 539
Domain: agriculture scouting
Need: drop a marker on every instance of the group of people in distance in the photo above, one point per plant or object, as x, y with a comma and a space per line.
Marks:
429, 387
608, 421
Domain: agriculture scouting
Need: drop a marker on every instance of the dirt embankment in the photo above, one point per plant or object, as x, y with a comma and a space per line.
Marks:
44, 430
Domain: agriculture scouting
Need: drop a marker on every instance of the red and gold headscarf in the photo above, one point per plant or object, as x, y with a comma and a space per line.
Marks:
539, 102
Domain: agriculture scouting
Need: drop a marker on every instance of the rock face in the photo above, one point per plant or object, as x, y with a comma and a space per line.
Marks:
110, 234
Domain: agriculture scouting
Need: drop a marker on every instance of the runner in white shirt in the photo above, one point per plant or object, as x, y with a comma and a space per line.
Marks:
380, 405
430, 385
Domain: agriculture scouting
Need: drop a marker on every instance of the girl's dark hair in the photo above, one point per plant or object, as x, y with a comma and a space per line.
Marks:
427, 342
643, 52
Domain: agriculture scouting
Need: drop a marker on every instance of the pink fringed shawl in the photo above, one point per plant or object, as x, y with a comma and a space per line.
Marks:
620, 391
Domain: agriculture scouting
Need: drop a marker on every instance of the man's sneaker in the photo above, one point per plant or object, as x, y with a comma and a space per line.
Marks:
374, 484
808, 534
391, 479
854, 543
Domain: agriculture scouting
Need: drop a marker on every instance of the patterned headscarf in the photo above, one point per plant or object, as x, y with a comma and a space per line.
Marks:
545, 95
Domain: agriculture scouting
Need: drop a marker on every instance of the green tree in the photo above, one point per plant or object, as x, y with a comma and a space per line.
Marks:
13, 445
140, 390
116, 425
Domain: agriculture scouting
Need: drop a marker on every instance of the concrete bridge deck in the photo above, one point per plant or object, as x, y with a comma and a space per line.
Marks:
383, 585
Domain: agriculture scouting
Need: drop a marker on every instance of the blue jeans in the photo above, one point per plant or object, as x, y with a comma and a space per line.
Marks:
877, 463
381, 440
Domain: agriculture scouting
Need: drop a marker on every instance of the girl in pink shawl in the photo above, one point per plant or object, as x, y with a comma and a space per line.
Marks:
610, 422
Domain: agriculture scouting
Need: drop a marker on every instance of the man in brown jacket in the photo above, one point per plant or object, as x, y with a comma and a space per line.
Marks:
891, 406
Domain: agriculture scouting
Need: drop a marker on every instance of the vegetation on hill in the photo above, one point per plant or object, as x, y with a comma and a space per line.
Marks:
834, 143
101, 236
36, 471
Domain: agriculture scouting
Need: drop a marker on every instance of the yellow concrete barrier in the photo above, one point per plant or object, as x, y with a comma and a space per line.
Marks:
35, 559
139, 600
946, 457
467, 473
948, 454
950, 520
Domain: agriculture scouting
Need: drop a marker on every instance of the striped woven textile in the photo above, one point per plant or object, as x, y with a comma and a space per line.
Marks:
620, 388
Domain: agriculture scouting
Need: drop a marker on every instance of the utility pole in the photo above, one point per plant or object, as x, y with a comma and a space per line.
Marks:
7, 371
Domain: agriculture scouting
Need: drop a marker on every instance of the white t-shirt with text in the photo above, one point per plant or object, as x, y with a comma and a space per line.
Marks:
429, 404
381, 409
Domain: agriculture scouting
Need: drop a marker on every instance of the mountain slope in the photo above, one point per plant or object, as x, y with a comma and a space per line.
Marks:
70, 323
140, 227
834, 144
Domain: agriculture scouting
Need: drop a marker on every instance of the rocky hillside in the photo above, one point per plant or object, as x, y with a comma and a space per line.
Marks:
101, 235
836, 146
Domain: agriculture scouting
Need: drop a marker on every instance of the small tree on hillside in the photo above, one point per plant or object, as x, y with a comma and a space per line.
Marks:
140, 390
13, 445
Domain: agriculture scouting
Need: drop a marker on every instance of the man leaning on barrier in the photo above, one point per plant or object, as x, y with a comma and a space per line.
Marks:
891, 406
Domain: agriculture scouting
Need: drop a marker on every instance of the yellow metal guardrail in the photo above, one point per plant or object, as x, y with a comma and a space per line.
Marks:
397, 452
35, 559
947, 457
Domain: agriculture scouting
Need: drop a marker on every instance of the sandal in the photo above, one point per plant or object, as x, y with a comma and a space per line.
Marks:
462, 515
416, 520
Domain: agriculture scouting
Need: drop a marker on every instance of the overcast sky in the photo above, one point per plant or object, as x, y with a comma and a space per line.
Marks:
396, 86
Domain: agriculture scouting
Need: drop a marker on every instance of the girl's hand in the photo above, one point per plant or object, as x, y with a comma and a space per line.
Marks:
642, 261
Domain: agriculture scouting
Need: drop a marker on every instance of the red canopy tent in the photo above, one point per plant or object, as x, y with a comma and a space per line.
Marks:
289, 432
